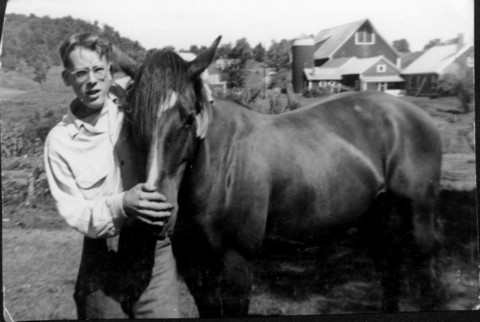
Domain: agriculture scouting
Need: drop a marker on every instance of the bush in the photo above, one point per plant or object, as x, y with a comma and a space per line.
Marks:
462, 88
28, 138
280, 79
40, 71
316, 92
446, 86
13, 193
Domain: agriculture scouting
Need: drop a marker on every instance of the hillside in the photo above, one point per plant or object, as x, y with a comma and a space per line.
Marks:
30, 40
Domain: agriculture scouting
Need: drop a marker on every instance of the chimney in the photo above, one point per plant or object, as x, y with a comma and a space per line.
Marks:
460, 41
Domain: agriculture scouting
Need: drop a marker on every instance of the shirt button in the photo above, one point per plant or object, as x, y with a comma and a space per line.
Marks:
122, 163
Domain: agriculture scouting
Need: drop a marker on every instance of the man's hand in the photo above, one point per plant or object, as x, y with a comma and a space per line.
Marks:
147, 205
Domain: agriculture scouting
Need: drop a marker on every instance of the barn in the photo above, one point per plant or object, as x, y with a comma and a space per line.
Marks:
374, 73
422, 75
349, 56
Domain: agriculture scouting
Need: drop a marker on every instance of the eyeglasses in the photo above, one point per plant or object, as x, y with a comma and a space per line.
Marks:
83, 74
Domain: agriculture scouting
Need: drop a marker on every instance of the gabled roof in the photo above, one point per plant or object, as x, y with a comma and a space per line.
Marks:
337, 62
335, 68
329, 40
321, 73
435, 59
360, 65
331, 70
407, 58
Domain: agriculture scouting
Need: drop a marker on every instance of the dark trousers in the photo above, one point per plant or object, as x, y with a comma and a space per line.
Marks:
160, 298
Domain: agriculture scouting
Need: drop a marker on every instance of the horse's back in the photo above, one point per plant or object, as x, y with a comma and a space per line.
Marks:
386, 129
411, 143
350, 147
413, 150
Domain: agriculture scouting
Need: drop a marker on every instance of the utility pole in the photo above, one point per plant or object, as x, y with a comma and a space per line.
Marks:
264, 72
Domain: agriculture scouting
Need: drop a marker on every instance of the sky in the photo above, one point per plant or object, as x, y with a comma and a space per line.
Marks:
182, 23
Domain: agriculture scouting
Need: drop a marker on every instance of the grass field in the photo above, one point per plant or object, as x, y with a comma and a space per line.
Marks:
41, 255
39, 271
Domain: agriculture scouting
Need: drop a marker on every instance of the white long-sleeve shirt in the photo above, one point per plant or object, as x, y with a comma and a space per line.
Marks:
83, 172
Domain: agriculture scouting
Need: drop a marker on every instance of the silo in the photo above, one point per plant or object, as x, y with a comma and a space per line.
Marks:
302, 57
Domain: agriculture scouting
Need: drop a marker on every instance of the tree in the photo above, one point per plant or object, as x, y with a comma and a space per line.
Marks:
39, 59
235, 71
194, 49
259, 53
235, 75
242, 51
401, 45
278, 55
131, 48
223, 51
40, 69
9, 63
460, 86
26, 33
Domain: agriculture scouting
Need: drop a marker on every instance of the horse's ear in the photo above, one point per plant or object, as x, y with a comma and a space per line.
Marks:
197, 66
123, 62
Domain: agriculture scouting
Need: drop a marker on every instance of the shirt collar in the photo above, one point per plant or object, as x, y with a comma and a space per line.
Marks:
74, 125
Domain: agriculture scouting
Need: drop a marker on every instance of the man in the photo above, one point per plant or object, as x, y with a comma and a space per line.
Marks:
127, 268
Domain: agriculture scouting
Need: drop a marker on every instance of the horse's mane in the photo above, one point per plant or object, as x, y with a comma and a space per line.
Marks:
162, 72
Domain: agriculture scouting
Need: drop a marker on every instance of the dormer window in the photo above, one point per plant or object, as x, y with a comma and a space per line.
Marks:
364, 37
382, 68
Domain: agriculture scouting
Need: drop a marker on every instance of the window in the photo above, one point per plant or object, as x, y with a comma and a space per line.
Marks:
382, 87
382, 68
364, 38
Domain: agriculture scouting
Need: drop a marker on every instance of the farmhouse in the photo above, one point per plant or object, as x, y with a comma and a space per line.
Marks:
351, 56
422, 75
215, 80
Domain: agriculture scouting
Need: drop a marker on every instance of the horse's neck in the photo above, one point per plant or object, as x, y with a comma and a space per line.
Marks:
229, 124
231, 121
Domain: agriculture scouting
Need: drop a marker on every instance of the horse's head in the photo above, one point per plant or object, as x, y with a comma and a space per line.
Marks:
170, 111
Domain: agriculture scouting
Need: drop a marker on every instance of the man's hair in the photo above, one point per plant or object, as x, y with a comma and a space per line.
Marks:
84, 40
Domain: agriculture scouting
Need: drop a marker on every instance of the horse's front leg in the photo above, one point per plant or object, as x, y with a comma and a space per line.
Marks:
226, 287
237, 282
220, 285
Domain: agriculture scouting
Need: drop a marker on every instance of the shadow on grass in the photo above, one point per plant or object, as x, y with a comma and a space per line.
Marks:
341, 277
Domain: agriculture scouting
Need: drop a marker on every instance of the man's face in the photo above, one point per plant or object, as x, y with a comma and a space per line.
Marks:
89, 76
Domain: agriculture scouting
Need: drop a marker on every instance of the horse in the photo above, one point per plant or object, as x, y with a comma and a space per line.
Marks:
238, 179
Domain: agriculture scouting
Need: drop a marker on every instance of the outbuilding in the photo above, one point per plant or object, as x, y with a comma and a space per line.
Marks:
422, 75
